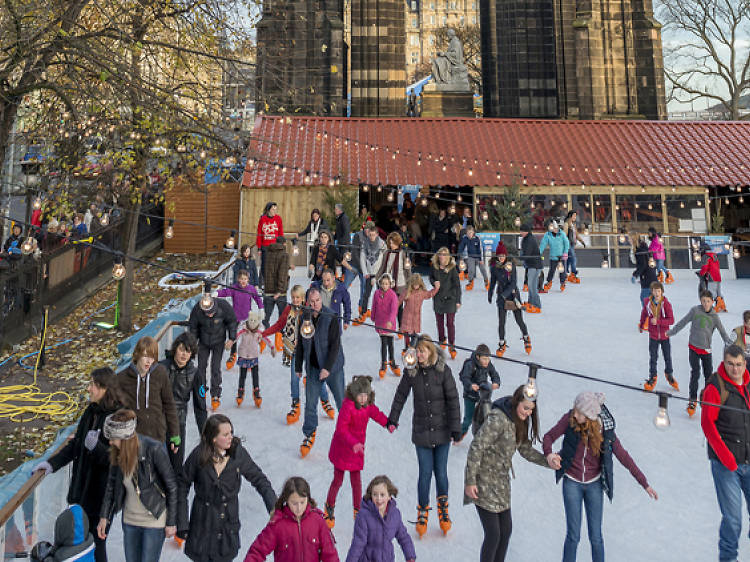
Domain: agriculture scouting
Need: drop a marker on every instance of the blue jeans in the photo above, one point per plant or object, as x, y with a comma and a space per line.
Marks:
294, 384
730, 487
660, 267
533, 275
142, 544
469, 406
592, 496
570, 265
335, 382
653, 352
432, 459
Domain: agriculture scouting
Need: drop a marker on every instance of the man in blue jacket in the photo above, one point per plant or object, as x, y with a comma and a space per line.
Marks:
336, 297
470, 248
558, 253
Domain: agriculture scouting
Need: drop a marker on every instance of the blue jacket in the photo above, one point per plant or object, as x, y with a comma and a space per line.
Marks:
373, 535
322, 346
471, 246
249, 266
73, 541
558, 244
339, 299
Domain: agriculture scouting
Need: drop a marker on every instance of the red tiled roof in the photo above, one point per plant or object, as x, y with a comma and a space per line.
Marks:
474, 151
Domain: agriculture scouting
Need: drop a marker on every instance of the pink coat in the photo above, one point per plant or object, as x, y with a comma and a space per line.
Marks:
411, 318
384, 310
308, 540
351, 428
657, 248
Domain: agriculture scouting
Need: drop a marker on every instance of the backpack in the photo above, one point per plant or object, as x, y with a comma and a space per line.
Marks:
723, 391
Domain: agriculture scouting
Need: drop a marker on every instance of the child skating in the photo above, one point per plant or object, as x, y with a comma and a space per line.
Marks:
657, 250
711, 271
703, 321
378, 523
503, 274
558, 254
657, 317
741, 335
385, 317
242, 294
477, 369
347, 452
411, 319
249, 349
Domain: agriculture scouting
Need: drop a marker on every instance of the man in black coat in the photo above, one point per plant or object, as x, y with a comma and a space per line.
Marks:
532, 261
211, 328
342, 234
183, 374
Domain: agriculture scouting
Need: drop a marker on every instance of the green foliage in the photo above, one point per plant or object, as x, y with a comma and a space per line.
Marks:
513, 205
347, 196
717, 220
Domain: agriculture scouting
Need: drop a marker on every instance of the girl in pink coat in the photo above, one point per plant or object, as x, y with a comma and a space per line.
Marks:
657, 250
347, 452
296, 531
411, 320
384, 316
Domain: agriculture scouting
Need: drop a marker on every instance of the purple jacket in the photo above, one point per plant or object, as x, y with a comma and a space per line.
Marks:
241, 299
373, 535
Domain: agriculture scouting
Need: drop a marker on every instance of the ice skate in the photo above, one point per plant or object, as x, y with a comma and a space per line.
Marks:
328, 409
328, 515
215, 403
486, 285
231, 361
307, 444
527, 344
669, 279
395, 369
672, 382
650, 383
279, 341
381, 372
470, 286
501, 347
422, 514
720, 305
256, 397
452, 352
240, 396
573, 278
691, 407
562, 286
660, 277
445, 520
293, 415
444, 344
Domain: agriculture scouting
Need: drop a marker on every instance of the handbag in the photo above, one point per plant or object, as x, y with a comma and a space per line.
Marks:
511, 305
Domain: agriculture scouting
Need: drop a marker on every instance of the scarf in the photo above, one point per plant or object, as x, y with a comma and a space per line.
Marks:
655, 307
394, 267
320, 260
314, 228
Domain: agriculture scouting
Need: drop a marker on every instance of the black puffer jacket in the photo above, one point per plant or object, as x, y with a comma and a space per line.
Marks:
213, 331
184, 383
473, 373
156, 482
532, 258
437, 413
643, 271
506, 282
214, 524
88, 477
449, 295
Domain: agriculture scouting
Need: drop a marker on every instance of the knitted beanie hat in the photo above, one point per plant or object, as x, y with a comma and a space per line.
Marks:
589, 404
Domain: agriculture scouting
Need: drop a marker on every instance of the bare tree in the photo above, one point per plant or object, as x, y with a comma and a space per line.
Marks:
708, 51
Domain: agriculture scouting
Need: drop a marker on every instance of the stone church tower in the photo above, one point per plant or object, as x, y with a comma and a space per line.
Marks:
573, 59
301, 62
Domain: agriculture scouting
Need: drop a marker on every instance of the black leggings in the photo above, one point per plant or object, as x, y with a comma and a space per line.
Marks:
243, 376
386, 348
502, 314
497, 529
553, 268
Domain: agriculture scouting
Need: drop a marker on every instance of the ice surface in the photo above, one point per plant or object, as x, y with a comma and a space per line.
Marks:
590, 328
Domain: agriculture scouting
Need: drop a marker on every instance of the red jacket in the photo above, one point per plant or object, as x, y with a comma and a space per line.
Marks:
712, 267
268, 229
709, 415
351, 428
306, 540
657, 331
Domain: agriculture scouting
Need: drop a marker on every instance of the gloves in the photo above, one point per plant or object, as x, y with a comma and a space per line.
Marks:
565, 257
45, 466
92, 438
359, 448
391, 428
175, 440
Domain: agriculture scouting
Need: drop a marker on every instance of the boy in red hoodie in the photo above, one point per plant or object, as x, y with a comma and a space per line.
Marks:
657, 317
712, 272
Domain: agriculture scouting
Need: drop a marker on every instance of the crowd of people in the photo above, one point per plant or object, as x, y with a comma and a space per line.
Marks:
128, 450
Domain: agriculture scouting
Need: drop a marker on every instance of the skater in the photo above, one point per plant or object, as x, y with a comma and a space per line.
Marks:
183, 375
471, 248
323, 256
242, 294
269, 228
145, 388
532, 261
342, 234
288, 326
742, 335
297, 531
336, 297
657, 250
711, 271
503, 274
436, 421
370, 257
377, 524
313, 228
703, 321
447, 301
644, 272
249, 348
323, 358
511, 425
212, 327
571, 231
384, 313
656, 318
245, 262
142, 484
477, 369
347, 452
728, 444
412, 299
88, 450
558, 254
395, 263
277, 282
215, 469
586, 468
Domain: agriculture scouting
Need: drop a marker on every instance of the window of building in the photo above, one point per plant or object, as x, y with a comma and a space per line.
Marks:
445, 19
414, 22
452, 5
432, 5
473, 20
685, 213
544, 208
462, 20
414, 6
432, 40
432, 19
638, 213
414, 40
414, 57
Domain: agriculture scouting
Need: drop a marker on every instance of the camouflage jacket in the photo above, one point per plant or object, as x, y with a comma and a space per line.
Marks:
489, 461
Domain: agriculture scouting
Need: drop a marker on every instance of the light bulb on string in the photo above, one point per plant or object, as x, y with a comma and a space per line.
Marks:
696, 257
390, 197
682, 204
27, 247
410, 357
661, 419
206, 302
347, 256
295, 248
485, 215
307, 330
651, 262
461, 265
509, 266
517, 221
459, 198
586, 230
560, 267
231, 240
605, 262
104, 219
365, 188
118, 270
621, 238
736, 253
407, 263
741, 200
727, 247
694, 244
452, 209
512, 203
530, 391
37, 204
380, 188
494, 202
424, 201
700, 203
169, 233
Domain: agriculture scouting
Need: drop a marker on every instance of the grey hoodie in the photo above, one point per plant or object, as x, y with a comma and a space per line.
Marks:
370, 255
702, 326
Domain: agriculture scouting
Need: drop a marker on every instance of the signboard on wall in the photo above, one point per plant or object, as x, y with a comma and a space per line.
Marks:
489, 241
413, 190
717, 244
